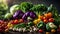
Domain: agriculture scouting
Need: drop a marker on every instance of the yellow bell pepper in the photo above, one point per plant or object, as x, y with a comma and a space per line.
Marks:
10, 25
35, 22
38, 20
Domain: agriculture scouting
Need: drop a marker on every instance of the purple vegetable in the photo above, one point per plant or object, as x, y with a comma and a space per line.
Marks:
29, 14
18, 14
24, 17
32, 15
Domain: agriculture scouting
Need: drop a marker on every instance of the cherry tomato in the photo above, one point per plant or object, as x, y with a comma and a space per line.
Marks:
44, 18
40, 30
51, 20
49, 14
15, 22
45, 21
21, 20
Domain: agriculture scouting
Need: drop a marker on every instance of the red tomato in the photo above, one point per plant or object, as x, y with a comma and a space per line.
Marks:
16, 22
40, 30
21, 20
45, 21
44, 18
51, 20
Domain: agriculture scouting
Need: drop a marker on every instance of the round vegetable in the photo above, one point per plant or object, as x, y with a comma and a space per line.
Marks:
50, 26
29, 15
35, 22
18, 14
41, 25
51, 20
32, 15
8, 16
21, 20
14, 8
40, 30
45, 21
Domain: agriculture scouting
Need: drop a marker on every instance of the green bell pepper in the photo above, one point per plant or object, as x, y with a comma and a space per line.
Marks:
30, 24
41, 24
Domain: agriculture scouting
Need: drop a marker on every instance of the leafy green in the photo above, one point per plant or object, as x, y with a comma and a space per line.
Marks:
3, 6
25, 6
40, 8
57, 20
3, 10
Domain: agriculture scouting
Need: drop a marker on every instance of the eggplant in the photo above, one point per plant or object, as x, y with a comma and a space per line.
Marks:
29, 14
18, 14
32, 15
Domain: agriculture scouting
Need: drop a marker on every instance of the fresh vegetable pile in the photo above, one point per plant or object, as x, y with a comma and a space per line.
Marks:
28, 17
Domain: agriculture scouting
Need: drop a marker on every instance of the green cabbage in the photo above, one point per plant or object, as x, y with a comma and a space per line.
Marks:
14, 8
